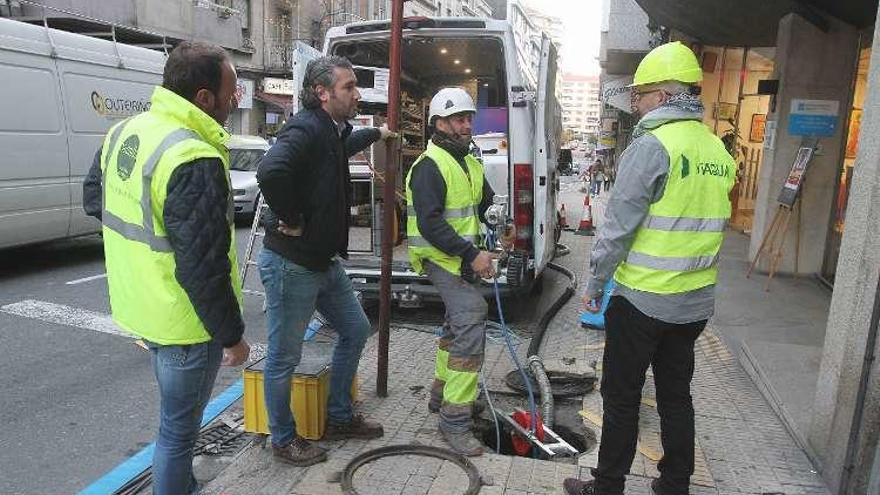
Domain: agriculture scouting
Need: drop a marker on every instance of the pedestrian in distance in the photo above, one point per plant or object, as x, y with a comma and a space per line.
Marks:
598, 179
448, 197
160, 185
304, 179
661, 238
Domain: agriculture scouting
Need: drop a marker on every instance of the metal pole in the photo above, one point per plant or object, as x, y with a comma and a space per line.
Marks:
388, 198
720, 87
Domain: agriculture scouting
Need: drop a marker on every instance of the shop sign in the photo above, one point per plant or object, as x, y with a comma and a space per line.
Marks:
276, 86
790, 190
813, 117
244, 92
615, 92
608, 139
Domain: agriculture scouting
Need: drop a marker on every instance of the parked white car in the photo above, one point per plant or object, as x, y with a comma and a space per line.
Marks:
245, 155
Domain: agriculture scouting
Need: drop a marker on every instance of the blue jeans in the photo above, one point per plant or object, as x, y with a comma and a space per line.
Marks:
186, 376
293, 293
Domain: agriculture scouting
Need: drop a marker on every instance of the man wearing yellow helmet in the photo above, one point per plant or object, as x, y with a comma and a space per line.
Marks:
663, 230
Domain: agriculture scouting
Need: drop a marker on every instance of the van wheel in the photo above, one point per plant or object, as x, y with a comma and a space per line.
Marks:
517, 270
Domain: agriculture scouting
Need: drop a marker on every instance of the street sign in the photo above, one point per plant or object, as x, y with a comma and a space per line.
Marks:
813, 117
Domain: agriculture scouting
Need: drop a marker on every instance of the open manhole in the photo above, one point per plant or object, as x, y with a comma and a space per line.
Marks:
579, 437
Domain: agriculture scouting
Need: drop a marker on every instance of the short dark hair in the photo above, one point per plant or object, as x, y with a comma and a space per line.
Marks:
320, 72
194, 65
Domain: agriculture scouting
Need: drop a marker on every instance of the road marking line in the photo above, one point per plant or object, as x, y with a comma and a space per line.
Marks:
86, 279
64, 315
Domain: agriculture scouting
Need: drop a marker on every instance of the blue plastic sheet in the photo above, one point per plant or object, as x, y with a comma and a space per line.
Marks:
597, 320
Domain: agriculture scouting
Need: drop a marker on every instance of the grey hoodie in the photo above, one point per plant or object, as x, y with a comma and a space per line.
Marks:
641, 180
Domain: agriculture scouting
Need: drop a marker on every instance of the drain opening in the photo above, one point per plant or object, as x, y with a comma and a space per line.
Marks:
583, 441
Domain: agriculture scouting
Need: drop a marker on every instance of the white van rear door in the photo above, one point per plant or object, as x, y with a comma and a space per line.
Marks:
544, 155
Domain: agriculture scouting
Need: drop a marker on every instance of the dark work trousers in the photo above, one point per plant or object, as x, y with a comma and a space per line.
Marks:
633, 341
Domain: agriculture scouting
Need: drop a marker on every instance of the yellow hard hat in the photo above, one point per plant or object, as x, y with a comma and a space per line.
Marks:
668, 62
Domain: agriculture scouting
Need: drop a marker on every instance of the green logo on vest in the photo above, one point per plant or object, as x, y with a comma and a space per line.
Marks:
685, 166
713, 169
127, 157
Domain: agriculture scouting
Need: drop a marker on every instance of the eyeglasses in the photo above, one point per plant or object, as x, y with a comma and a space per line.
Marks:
637, 95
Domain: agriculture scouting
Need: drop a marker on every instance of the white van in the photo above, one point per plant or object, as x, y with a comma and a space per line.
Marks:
510, 72
61, 92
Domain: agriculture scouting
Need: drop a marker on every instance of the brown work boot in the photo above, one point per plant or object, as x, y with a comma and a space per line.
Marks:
358, 427
465, 443
299, 452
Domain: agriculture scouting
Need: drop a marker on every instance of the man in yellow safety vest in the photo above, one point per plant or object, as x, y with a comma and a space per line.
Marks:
160, 185
662, 234
447, 194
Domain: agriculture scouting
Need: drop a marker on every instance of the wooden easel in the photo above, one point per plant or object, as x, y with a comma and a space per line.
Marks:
773, 243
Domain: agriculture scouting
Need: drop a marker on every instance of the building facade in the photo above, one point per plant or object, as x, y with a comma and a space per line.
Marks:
579, 98
263, 37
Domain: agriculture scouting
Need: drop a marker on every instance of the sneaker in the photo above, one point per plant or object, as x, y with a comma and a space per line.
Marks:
299, 452
574, 486
358, 427
464, 443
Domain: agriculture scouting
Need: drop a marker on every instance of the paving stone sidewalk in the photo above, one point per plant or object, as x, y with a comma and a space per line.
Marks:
742, 446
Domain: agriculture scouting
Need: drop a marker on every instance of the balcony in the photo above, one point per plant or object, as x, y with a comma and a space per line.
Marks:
279, 56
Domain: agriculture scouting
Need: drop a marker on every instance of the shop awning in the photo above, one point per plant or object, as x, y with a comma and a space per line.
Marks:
282, 103
750, 22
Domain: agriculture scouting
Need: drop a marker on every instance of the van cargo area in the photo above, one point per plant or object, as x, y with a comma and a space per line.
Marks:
479, 62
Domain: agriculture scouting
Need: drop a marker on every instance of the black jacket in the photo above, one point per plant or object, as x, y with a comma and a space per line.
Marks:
429, 200
304, 178
196, 221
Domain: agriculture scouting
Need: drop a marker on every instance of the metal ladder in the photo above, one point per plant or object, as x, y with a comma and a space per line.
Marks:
257, 231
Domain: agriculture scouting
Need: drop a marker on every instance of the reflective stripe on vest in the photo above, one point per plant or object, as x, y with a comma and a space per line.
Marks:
419, 241
676, 247
465, 212
671, 264
143, 233
680, 224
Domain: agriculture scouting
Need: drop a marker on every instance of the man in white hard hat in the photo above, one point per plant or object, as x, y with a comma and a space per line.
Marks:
447, 196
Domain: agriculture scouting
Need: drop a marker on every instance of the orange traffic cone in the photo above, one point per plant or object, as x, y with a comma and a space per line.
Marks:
563, 220
586, 225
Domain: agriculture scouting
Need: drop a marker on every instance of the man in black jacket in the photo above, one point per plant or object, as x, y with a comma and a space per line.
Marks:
305, 180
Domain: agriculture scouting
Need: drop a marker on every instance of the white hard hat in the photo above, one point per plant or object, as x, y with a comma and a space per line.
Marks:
450, 101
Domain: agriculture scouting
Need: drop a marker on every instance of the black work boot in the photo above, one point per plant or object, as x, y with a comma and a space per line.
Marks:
574, 486
299, 452
358, 427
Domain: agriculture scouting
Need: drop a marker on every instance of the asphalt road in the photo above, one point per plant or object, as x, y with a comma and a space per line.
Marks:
76, 402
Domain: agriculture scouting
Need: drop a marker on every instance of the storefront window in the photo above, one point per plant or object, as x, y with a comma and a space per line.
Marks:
844, 179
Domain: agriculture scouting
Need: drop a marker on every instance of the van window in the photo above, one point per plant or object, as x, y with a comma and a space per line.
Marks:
245, 160
31, 100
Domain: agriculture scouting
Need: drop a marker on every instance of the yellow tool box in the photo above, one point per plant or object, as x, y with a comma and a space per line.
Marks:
309, 389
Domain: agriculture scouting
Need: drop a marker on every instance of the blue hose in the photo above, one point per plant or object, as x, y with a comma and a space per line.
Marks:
533, 410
